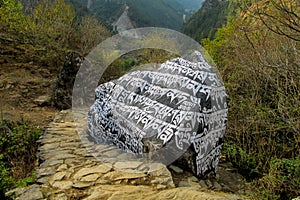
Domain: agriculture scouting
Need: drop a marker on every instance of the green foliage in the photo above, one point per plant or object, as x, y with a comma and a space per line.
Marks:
214, 47
90, 33
11, 16
6, 180
205, 22
17, 153
26, 181
191, 4
48, 29
282, 181
51, 28
246, 162
79, 8
158, 13
143, 13
260, 69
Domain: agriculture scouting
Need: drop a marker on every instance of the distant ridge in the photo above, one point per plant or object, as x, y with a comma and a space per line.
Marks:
142, 13
205, 22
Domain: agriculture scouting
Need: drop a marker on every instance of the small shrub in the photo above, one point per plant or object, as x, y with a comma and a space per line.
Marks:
17, 154
6, 180
283, 180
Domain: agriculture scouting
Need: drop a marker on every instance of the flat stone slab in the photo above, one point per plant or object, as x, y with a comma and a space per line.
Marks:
102, 169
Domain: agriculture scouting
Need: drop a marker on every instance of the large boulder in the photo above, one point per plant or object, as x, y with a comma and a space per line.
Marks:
177, 112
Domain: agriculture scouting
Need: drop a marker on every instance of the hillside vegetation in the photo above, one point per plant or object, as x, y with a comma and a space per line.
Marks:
257, 52
206, 21
143, 13
34, 40
49, 29
191, 4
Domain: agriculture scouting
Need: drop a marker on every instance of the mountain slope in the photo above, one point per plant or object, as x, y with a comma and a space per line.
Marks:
143, 13
191, 4
205, 22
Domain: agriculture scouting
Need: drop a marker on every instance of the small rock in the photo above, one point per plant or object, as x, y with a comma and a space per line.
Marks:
32, 193
183, 184
160, 187
81, 185
127, 165
51, 162
90, 178
218, 187
63, 185
43, 180
112, 154
63, 167
49, 146
44, 100
193, 179
209, 184
59, 176
61, 156
102, 169
99, 193
120, 175
61, 196
176, 169
203, 184
157, 170
45, 172
102, 181
72, 162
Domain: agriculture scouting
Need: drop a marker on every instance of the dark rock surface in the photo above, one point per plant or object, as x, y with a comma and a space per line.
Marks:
62, 94
177, 112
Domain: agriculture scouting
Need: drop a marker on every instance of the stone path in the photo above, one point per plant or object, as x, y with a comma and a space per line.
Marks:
67, 170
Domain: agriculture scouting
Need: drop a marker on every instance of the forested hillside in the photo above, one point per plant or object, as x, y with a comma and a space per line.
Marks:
79, 8
257, 52
205, 22
158, 13
191, 4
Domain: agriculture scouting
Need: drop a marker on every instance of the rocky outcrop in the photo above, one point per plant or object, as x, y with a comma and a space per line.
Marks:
62, 94
178, 111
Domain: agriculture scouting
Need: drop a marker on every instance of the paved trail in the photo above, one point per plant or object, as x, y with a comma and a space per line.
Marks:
67, 170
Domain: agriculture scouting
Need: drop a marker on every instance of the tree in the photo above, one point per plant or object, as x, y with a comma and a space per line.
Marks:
52, 23
280, 16
259, 62
11, 16
90, 33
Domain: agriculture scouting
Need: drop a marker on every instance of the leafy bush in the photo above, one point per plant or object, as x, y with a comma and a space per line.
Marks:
6, 180
50, 29
260, 69
18, 148
282, 181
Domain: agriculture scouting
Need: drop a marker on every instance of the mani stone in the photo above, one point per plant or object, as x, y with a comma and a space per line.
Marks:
177, 112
